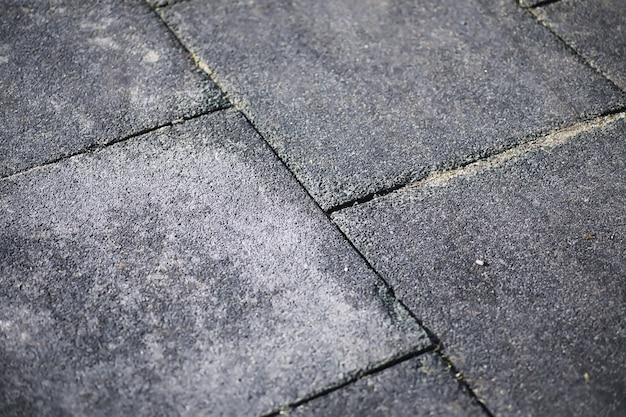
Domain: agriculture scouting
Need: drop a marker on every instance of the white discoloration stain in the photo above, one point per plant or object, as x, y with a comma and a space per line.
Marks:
151, 56
4, 59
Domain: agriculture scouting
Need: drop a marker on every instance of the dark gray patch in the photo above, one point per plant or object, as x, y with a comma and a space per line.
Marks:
361, 97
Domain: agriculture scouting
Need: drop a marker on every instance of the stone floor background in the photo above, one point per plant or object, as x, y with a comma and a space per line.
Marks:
313, 208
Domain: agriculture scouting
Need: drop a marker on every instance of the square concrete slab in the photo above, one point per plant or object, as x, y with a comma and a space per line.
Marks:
519, 268
423, 386
362, 96
78, 74
595, 29
184, 272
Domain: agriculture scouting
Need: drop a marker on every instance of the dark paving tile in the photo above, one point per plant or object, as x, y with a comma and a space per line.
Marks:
540, 328
75, 74
176, 274
595, 29
423, 386
358, 96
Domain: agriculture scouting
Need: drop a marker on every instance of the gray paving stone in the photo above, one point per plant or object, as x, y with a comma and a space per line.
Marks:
182, 273
540, 328
423, 386
595, 29
76, 74
359, 96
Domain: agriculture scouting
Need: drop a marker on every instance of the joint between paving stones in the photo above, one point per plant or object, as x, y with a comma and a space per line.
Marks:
208, 72
395, 307
538, 15
389, 298
99, 147
352, 378
493, 157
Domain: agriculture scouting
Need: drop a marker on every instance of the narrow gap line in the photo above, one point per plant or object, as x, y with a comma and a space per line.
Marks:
98, 147
581, 58
463, 382
354, 378
527, 143
434, 339
195, 58
538, 4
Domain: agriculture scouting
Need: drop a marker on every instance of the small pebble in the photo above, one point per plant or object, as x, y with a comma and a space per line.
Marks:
480, 262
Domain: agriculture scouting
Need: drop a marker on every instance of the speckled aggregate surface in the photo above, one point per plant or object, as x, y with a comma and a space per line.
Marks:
361, 96
78, 74
519, 268
595, 29
422, 386
175, 275
164, 171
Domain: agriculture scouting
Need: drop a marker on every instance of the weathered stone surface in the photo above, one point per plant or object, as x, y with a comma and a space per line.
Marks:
162, 3
540, 328
359, 96
183, 272
76, 74
595, 29
423, 386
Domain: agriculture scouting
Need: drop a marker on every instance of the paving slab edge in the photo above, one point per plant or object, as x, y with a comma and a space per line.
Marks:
492, 159
99, 147
474, 167
538, 13
354, 376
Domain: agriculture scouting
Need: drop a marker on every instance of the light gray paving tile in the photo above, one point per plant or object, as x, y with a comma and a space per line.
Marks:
183, 272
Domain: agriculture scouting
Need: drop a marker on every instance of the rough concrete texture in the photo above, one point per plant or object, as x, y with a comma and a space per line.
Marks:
423, 386
540, 327
360, 96
595, 29
183, 272
76, 74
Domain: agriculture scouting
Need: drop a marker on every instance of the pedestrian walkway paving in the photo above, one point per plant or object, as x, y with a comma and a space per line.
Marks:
183, 268
77, 75
595, 30
328, 208
518, 264
358, 98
